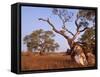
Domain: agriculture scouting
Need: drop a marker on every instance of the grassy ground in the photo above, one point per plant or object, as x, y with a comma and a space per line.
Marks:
35, 61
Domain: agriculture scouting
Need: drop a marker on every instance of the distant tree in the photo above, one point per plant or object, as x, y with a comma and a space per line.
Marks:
41, 40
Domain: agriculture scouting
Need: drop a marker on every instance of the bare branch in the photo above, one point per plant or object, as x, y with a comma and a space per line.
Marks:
54, 29
49, 23
68, 31
76, 23
78, 26
61, 18
64, 16
83, 29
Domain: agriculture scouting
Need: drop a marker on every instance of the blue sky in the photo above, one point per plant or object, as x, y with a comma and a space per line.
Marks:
30, 22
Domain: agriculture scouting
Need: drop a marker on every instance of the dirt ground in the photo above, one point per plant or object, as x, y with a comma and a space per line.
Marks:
35, 61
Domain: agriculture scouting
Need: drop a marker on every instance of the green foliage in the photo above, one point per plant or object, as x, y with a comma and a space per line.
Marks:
88, 38
40, 40
88, 14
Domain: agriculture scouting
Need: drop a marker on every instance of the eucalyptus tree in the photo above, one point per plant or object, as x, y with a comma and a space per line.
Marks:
40, 40
82, 20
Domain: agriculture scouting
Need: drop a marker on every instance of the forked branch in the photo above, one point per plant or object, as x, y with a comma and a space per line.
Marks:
68, 30
78, 31
53, 27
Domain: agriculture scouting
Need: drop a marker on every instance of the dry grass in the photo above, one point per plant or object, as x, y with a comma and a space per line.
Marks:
35, 61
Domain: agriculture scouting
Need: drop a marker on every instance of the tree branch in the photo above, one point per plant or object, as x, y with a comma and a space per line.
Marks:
63, 22
54, 29
78, 26
68, 31
76, 23
76, 34
83, 29
48, 22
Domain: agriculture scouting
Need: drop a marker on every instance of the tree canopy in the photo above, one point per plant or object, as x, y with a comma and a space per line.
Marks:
40, 40
88, 39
